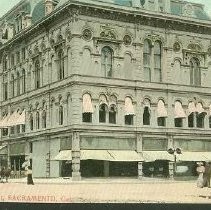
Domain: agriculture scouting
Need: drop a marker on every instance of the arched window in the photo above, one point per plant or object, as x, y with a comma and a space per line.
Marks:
129, 111
12, 85
61, 64
5, 87
87, 108
146, 114
157, 62
179, 114
61, 115
5, 63
103, 109
18, 84
112, 114
161, 113
23, 81
44, 119
195, 72
37, 120
147, 61
37, 74
31, 123
107, 61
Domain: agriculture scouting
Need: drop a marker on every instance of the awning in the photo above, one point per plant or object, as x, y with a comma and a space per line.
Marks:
191, 108
151, 156
64, 155
125, 156
87, 104
179, 111
95, 155
161, 109
199, 108
3, 122
194, 156
129, 109
22, 118
3, 150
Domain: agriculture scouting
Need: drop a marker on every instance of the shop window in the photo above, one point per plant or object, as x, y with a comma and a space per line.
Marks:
23, 128
18, 127
147, 60
37, 120
44, 119
200, 120
61, 115
12, 130
161, 121
129, 119
157, 62
5, 132
112, 114
87, 117
178, 122
195, 72
61, 64
107, 61
102, 113
191, 120
146, 116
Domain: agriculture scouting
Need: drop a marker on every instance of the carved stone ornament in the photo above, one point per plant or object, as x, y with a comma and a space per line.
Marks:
87, 34
68, 34
108, 34
194, 47
176, 47
127, 40
188, 10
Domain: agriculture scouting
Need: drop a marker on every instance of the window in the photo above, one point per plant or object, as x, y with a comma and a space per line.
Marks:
5, 63
37, 120
61, 64
178, 122
161, 121
18, 83
31, 147
5, 88
107, 60
23, 54
12, 130
147, 61
112, 114
12, 60
129, 111
5, 132
18, 57
128, 119
210, 122
157, 61
18, 127
31, 123
44, 119
102, 113
146, 116
23, 81
200, 120
37, 74
87, 108
191, 120
61, 115
12, 85
195, 72
87, 117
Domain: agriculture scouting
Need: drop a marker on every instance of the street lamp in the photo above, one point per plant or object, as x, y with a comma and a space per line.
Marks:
174, 151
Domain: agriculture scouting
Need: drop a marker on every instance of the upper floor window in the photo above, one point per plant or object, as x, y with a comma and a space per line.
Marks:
18, 57
179, 114
31, 122
129, 111
61, 115
23, 52
5, 87
18, 84
12, 85
61, 64
112, 114
157, 62
37, 120
12, 60
37, 74
146, 113
103, 109
87, 108
195, 72
23, 81
161, 113
107, 61
44, 119
5, 63
147, 60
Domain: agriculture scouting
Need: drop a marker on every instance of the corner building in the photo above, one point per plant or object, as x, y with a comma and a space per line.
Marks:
104, 88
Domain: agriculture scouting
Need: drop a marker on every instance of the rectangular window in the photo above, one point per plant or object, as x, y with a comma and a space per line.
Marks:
178, 122
128, 119
31, 147
200, 120
12, 130
87, 117
191, 120
146, 116
18, 129
23, 128
5, 132
161, 121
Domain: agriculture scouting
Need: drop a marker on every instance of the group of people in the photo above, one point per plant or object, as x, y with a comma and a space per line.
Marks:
204, 171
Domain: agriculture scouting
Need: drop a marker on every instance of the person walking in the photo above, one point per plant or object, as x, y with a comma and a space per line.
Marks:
200, 169
29, 176
7, 173
207, 175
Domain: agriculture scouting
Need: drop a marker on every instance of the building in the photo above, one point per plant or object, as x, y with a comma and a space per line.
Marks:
104, 88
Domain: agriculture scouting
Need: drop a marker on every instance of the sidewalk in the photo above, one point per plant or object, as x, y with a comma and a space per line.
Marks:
109, 180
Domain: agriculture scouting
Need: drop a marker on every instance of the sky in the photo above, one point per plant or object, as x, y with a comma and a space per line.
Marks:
5, 5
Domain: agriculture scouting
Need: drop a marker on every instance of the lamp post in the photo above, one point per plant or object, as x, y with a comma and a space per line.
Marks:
174, 151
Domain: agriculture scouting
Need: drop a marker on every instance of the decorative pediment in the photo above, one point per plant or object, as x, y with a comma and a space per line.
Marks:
194, 47
108, 33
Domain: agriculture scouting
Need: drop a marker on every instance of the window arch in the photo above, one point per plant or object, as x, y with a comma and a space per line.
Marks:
37, 120
112, 114
157, 61
87, 108
44, 119
146, 113
61, 115
23, 81
5, 87
37, 74
12, 85
103, 109
147, 60
18, 83
195, 72
107, 61
61, 64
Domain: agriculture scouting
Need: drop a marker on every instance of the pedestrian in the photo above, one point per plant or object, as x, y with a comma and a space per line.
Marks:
200, 169
7, 173
207, 175
29, 176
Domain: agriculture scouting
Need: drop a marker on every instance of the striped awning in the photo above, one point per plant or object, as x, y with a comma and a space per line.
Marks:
179, 111
191, 108
194, 156
199, 108
129, 108
161, 109
87, 104
64, 155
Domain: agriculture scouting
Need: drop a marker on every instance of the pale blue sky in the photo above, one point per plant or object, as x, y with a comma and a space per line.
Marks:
5, 5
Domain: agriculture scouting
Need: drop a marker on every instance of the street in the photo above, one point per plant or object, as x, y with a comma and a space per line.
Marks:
109, 191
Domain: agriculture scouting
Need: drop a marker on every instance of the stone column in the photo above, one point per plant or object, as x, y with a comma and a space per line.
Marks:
138, 67
139, 148
76, 174
106, 168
